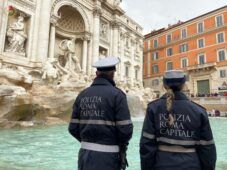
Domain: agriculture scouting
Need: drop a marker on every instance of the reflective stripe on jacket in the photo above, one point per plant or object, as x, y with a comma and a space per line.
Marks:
191, 130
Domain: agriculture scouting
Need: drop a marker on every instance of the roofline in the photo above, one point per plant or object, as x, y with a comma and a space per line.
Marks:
179, 24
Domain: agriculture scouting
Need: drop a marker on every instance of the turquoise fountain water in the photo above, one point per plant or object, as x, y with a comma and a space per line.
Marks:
52, 148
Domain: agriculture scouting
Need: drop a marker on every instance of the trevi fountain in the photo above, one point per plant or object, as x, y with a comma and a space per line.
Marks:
47, 48
46, 53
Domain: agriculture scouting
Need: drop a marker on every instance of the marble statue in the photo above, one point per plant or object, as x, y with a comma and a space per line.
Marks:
16, 36
71, 62
102, 54
50, 72
104, 31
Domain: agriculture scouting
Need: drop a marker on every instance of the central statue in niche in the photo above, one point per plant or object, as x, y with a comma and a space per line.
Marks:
70, 61
16, 36
68, 64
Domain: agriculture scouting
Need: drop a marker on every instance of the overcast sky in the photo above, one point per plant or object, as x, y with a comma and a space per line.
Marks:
155, 14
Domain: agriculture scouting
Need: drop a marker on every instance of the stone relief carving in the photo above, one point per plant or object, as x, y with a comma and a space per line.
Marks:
50, 72
17, 36
104, 30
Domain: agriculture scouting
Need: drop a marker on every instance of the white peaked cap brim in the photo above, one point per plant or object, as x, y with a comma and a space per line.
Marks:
106, 62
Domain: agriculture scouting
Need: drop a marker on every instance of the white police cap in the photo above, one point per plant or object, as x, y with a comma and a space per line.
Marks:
106, 64
174, 78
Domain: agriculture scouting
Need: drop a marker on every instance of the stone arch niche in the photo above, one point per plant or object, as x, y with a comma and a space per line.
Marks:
70, 25
58, 4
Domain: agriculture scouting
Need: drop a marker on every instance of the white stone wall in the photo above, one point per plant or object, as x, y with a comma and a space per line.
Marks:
42, 30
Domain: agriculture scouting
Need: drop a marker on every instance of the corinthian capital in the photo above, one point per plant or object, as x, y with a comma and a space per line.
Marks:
54, 19
97, 12
115, 24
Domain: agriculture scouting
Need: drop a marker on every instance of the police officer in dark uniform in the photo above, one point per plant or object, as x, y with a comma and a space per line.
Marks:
176, 133
101, 121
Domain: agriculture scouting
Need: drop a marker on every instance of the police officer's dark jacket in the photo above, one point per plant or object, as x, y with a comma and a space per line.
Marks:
191, 130
101, 115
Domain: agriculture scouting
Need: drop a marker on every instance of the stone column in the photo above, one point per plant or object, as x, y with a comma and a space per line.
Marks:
35, 34
3, 23
122, 55
96, 25
52, 41
44, 27
2, 8
115, 25
85, 54
141, 61
89, 59
132, 53
53, 21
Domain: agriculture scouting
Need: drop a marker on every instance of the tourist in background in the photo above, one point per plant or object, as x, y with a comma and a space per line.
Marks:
101, 121
176, 133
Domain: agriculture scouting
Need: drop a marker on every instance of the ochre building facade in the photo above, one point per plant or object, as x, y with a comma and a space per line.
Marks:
197, 46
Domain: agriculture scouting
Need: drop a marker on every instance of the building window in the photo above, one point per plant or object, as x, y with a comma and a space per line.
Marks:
154, 55
148, 65
200, 27
219, 21
220, 37
183, 33
200, 43
223, 73
168, 38
221, 55
155, 82
183, 48
201, 59
126, 71
136, 74
184, 62
169, 51
169, 65
155, 68
155, 43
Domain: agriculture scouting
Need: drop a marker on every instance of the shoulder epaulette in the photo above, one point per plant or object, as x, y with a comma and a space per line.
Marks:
120, 90
153, 101
199, 105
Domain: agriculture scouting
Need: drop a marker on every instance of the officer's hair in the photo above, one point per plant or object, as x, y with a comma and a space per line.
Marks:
104, 73
169, 102
169, 105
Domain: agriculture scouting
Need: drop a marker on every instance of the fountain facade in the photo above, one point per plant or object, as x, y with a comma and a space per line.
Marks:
46, 51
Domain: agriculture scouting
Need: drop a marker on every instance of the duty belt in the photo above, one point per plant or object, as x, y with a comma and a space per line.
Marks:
175, 149
100, 147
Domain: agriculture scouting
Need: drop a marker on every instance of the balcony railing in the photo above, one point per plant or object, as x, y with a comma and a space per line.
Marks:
202, 66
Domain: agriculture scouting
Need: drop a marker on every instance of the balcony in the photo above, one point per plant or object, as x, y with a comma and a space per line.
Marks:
198, 67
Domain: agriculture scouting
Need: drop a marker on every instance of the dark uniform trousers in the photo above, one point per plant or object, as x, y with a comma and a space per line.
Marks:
101, 122
187, 145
